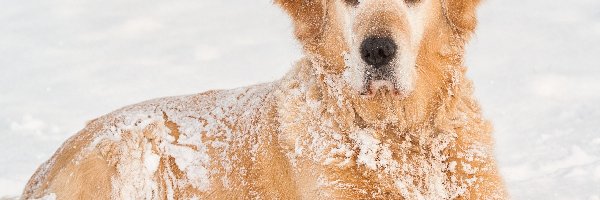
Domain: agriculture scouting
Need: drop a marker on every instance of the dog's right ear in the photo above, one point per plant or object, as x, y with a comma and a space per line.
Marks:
317, 30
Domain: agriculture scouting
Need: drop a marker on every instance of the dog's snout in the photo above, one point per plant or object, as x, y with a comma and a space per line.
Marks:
378, 51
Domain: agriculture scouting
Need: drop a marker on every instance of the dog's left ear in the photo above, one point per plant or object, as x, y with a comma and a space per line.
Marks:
461, 15
317, 29
307, 15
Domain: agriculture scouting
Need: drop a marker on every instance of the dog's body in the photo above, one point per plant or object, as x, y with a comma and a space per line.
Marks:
414, 132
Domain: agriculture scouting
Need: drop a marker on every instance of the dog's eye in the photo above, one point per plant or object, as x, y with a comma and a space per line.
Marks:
352, 2
412, 2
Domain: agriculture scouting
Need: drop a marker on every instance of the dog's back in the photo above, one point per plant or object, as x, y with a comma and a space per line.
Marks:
180, 147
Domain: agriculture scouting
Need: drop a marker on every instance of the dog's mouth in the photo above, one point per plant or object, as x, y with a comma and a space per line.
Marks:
380, 81
382, 87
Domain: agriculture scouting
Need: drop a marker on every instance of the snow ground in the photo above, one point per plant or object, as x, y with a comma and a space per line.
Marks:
62, 62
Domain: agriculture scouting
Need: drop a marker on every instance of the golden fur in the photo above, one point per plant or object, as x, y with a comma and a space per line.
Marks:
306, 136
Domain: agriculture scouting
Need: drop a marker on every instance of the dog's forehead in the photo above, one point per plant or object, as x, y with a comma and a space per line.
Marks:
404, 7
403, 2
376, 10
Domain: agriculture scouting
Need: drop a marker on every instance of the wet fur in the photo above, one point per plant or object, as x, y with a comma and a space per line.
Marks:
441, 104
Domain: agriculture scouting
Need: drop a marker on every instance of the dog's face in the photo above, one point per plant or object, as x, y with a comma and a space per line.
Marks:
391, 53
383, 39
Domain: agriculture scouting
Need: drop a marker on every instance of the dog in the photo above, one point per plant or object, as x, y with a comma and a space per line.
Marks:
378, 108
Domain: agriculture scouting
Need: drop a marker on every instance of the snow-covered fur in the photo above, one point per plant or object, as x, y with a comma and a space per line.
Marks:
310, 135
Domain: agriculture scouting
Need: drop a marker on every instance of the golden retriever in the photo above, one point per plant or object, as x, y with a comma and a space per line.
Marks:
379, 108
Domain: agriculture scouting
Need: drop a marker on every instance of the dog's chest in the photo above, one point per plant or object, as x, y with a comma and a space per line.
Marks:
363, 164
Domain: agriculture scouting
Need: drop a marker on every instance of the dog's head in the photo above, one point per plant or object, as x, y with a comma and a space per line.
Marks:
396, 50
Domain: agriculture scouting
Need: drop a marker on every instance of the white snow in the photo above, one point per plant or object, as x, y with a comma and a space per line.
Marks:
151, 160
368, 148
535, 65
371, 152
50, 196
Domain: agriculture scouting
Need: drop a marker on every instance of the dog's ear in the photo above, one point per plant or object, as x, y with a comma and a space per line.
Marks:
461, 15
308, 16
317, 29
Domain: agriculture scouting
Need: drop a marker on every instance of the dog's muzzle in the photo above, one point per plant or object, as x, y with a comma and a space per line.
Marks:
378, 53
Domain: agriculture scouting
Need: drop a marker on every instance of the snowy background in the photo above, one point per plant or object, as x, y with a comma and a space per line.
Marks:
535, 63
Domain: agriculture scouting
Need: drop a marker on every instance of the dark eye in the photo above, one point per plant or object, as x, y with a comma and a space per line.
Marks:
412, 2
352, 2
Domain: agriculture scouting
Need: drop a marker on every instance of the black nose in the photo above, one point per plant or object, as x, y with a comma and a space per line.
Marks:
378, 51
